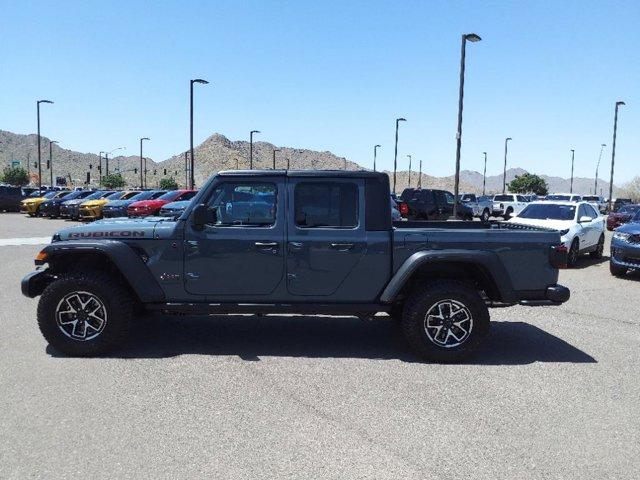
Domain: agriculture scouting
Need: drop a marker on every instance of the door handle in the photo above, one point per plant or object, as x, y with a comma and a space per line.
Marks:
341, 246
295, 246
266, 244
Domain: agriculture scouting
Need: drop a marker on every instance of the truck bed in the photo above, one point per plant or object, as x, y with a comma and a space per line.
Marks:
465, 225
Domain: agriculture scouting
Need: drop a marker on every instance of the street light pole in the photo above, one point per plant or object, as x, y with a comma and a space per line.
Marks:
375, 154
141, 157
504, 173
595, 187
100, 165
39, 153
395, 154
573, 153
204, 82
51, 142
484, 174
251, 148
186, 170
274, 157
409, 169
106, 157
613, 150
471, 37
420, 175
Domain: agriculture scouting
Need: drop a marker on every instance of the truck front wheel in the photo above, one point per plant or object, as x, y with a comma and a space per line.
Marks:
445, 322
85, 313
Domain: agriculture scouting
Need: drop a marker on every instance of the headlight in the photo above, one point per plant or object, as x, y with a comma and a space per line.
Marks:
564, 232
621, 236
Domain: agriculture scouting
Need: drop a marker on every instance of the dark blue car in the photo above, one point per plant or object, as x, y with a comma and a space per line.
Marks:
625, 247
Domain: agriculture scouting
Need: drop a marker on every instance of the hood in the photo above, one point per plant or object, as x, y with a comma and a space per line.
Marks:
180, 205
631, 227
148, 203
553, 224
95, 203
34, 200
120, 229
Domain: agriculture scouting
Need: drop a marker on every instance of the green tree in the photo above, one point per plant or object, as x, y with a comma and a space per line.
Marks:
113, 180
528, 183
15, 176
168, 184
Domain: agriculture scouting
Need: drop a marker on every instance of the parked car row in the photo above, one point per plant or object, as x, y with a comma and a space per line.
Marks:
95, 204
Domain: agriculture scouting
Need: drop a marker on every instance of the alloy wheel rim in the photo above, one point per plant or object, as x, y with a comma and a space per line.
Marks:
81, 316
448, 323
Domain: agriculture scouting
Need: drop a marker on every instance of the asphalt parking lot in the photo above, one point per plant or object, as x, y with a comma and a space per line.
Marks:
553, 394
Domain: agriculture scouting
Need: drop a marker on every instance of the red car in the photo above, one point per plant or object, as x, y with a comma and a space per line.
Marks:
622, 216
144, 208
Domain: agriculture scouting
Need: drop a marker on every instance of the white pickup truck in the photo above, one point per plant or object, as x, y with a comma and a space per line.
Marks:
506, 205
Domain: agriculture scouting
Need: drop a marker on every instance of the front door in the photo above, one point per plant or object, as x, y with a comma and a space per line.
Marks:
326, 233
241, 253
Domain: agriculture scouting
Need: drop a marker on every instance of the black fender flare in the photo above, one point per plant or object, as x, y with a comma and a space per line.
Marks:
122, 256
488, 261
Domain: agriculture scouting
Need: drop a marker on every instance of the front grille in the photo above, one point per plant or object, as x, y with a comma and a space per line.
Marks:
634, 238
632, 261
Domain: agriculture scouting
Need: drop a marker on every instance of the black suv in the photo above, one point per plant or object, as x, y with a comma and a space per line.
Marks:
10, 198
432, 205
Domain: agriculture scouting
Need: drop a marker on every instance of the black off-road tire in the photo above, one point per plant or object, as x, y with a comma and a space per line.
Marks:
574, 254
117, 302
597, 253
423, 300
617, 271
508, 213
485, 215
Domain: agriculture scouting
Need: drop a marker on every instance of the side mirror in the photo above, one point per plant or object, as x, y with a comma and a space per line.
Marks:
203, 215
585, 219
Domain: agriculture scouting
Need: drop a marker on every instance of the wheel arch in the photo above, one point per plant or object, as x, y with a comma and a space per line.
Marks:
118, 258
481, 269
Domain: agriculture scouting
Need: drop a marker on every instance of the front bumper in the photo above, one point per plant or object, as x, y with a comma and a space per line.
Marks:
114, 212
29, 208
34, 283
90, 213
625, 255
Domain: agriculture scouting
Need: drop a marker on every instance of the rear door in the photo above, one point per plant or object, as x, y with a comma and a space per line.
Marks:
326, 233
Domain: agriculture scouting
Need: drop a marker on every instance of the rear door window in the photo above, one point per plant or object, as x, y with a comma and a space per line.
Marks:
326, 205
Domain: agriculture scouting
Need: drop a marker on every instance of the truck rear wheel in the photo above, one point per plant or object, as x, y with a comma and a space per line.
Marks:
445, 322
85, 313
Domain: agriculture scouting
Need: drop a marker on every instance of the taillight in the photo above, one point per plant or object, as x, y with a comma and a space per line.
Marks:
404, 209
558, 256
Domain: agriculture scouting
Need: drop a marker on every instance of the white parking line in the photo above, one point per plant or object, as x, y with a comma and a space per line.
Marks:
5, 242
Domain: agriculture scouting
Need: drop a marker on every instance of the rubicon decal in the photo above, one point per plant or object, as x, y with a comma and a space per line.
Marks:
115, 234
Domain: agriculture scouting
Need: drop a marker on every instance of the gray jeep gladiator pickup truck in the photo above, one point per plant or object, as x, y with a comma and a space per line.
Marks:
305, 242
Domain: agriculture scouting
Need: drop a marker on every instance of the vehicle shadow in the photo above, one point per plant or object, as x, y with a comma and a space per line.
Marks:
585, 261
252, 337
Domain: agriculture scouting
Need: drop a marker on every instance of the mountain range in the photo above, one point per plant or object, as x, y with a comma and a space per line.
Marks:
219, 153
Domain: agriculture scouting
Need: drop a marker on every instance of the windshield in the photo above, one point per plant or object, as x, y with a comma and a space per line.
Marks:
564, 198
550, 211
629, 209
50, 194
169, 195
76, 194
591, 198
503, 198
116, 196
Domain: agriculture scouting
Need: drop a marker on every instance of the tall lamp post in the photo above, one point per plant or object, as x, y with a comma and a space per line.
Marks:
467, 37
251, 148
595, 187
204, 82
274, 157
504, 172
573, 154
39, 153
186, 170
420, 175
51, 142
409, 169
375, 155
613, 150
141, 157
395, 154
106, 158
484, 174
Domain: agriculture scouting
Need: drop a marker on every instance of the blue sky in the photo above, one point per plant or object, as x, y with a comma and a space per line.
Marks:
332, 76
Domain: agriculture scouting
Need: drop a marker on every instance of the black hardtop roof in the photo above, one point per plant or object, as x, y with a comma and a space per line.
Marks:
303, 173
